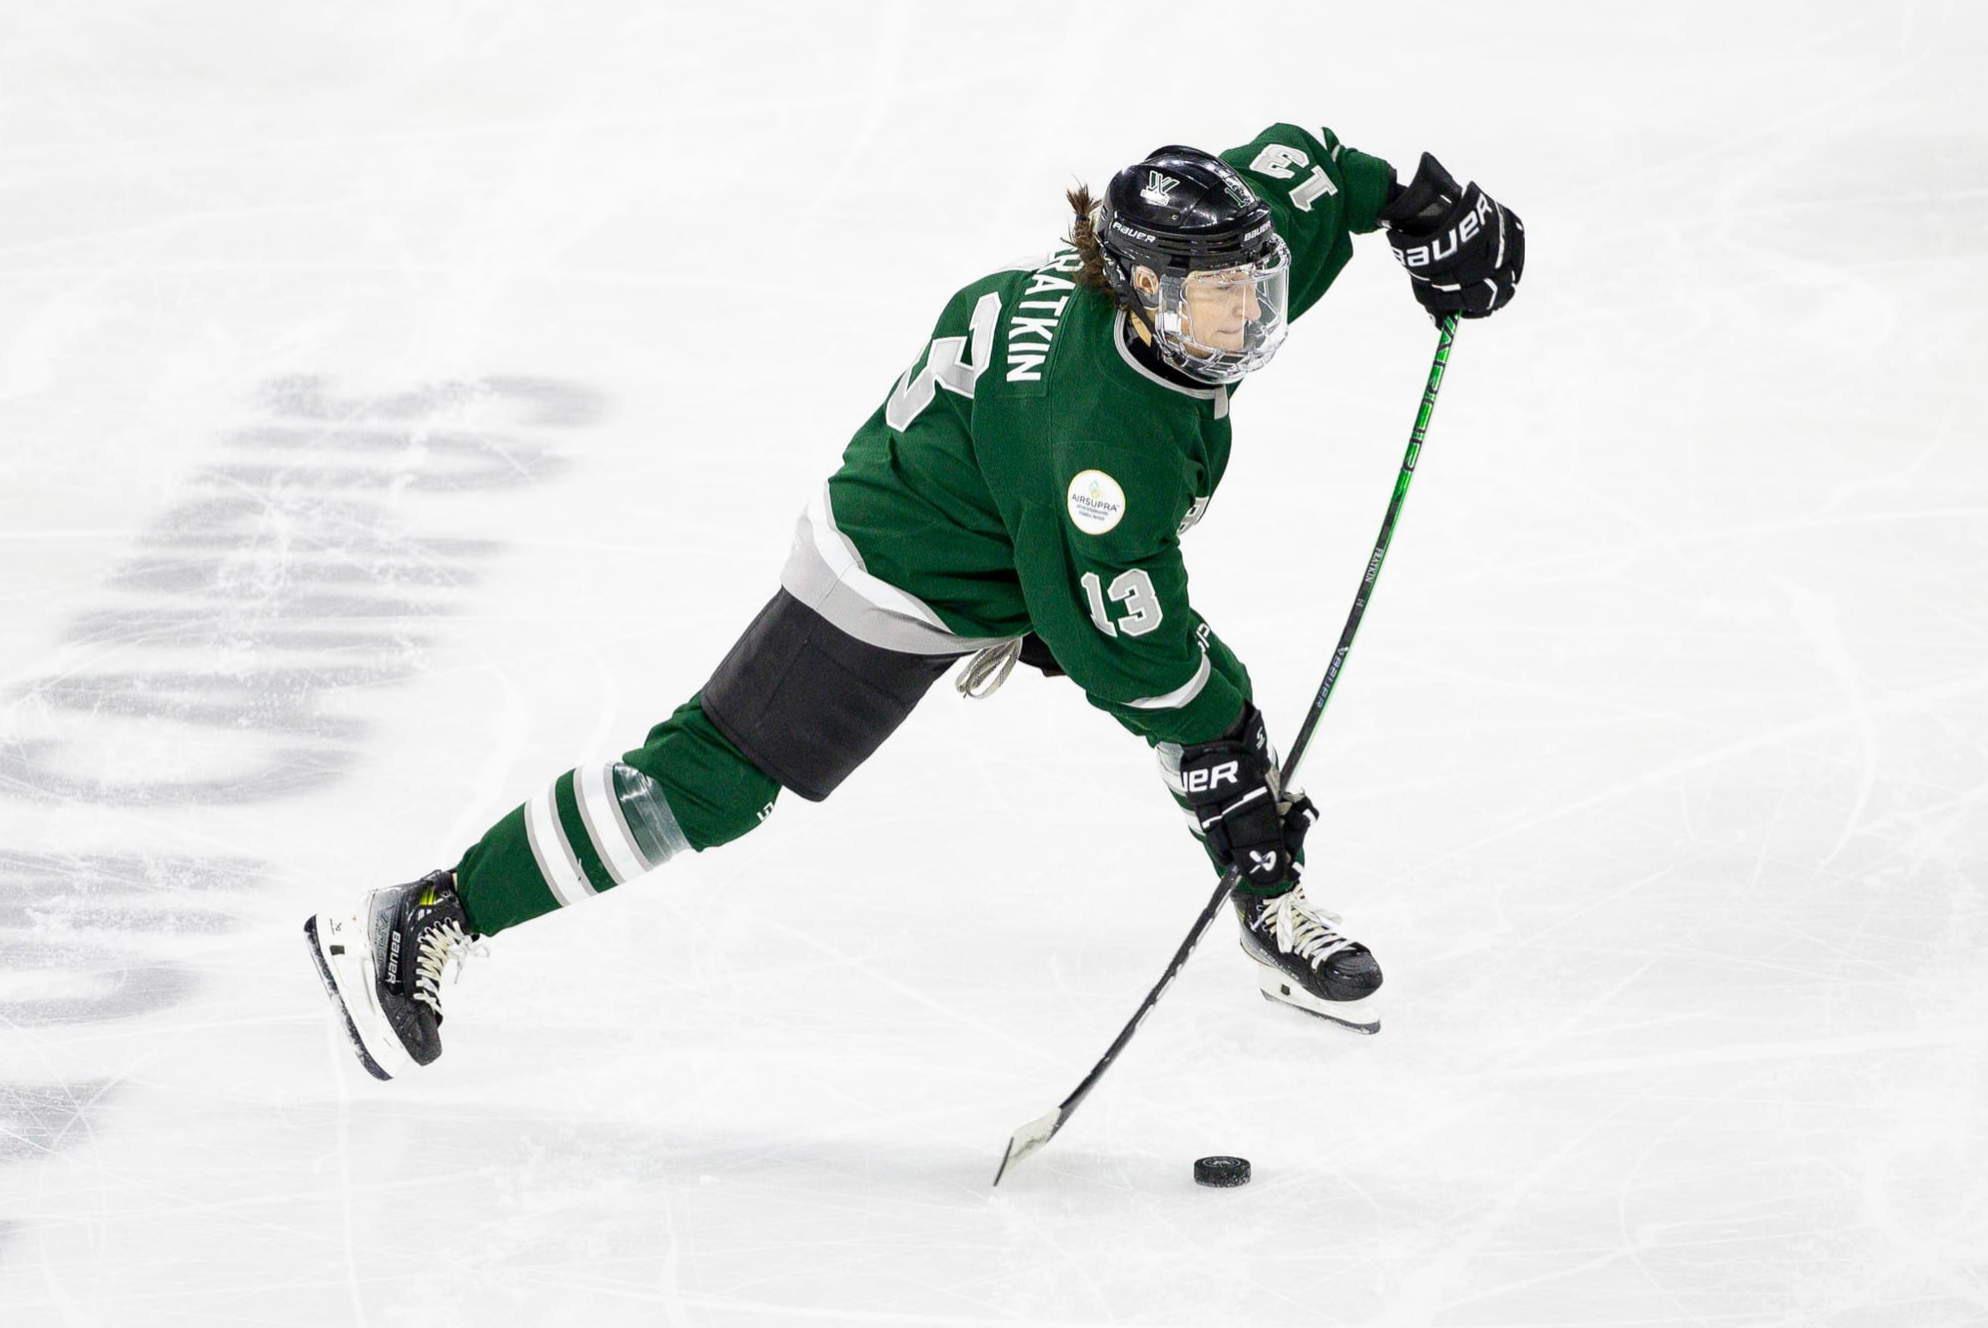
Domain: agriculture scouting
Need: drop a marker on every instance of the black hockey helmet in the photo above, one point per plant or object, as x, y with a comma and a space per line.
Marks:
1183, 211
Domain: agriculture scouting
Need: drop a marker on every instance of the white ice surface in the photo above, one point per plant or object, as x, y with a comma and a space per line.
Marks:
1658, 779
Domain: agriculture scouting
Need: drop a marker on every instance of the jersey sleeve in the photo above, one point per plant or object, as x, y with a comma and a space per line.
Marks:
1321, 194
1107, 592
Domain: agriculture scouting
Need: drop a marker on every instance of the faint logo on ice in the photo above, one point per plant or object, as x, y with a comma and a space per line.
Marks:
292, 568
300, 563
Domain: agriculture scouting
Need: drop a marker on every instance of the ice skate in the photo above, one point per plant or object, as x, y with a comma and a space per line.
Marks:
382, 967
1304, 961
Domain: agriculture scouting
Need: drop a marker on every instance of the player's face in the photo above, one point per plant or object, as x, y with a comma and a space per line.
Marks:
1220, 324
1219, 308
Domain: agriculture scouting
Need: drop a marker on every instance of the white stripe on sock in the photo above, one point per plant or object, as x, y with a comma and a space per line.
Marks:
602, 814
555, 860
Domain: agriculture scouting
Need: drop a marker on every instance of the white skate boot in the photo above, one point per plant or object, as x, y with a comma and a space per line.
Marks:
382, 967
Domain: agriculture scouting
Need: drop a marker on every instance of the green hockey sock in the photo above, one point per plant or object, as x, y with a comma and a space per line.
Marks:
600, 826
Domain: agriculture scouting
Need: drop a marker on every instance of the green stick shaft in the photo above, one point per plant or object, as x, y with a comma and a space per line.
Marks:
1401, 482
1025, 1141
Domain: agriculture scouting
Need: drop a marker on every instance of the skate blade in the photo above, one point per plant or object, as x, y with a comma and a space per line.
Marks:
1362, 1016
326, 934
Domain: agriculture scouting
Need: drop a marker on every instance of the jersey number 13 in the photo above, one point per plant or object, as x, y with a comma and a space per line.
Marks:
1132, 588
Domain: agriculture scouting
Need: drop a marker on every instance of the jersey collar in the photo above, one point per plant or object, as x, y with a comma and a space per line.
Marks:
1218, 394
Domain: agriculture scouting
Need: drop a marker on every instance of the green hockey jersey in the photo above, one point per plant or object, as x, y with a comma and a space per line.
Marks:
1028, 473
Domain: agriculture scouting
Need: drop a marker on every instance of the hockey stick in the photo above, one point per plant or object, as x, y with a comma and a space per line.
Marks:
1032, 1136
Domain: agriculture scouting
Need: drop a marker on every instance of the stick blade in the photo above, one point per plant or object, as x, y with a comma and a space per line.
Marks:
1025, 1141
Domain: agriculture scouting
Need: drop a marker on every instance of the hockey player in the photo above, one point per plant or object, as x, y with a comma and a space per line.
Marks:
1021, 492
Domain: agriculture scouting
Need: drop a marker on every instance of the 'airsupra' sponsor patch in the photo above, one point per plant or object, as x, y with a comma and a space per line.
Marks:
1097, 504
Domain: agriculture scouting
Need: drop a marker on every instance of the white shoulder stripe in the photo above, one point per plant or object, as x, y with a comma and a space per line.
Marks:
1179, 696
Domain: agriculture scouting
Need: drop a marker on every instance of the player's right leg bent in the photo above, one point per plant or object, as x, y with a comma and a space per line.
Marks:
1302, 958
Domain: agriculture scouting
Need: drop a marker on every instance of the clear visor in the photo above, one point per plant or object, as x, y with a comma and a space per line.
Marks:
1220, 324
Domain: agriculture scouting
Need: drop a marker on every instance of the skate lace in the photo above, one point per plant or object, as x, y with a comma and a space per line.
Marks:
1302, 928
987, 670
442, 945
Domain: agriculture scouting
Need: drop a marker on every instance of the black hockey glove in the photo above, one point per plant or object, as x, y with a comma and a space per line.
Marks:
1231, 786
1464, 252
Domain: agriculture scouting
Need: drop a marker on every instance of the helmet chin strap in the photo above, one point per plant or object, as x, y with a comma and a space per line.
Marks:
1129, 283
1138, 311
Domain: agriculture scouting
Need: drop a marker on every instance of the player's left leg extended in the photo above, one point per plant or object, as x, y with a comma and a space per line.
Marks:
686, 788
798, 702
587, 832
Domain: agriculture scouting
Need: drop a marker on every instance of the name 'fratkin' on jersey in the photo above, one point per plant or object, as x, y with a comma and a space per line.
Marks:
1020, 493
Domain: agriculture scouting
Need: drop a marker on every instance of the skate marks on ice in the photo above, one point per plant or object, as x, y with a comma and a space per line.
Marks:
297, 566
36, 1121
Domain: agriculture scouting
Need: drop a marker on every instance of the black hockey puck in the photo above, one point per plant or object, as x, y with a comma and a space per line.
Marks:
1222, 1172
